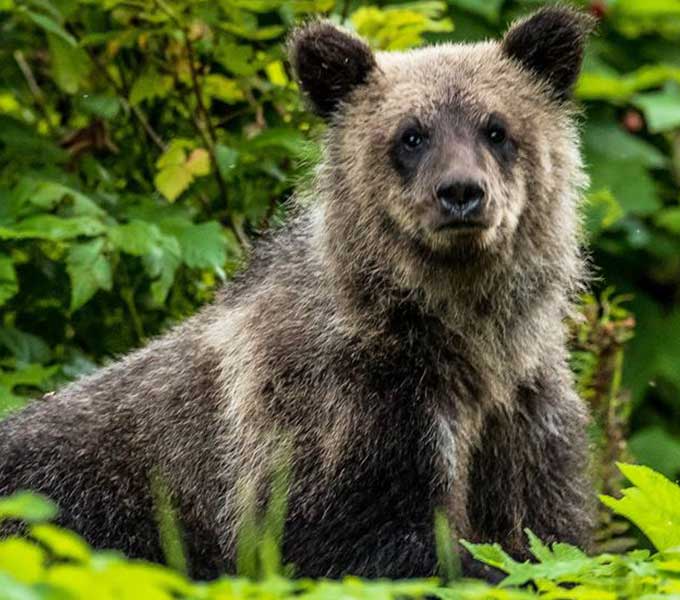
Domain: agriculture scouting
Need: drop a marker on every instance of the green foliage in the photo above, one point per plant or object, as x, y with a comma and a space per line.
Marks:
653, 505
599, 335
400, 26
50, 562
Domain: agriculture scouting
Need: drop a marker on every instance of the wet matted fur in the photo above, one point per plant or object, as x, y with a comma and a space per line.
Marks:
408, 367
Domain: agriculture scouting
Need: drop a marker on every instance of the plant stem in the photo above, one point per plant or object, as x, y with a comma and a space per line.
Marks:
123, 97
211, 137
38, 96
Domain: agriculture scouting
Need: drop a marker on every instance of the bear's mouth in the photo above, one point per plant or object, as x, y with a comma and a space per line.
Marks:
460, 217
459, 223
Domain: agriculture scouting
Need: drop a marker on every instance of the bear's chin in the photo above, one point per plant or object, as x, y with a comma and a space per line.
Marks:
449, 248
462, 239
455, 251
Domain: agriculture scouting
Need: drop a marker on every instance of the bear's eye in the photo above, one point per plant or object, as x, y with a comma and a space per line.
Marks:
496, 133
412, 139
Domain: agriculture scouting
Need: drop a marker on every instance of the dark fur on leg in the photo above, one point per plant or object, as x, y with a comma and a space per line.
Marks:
530, 472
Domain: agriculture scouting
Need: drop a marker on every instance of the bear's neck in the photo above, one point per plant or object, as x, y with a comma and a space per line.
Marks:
498, 307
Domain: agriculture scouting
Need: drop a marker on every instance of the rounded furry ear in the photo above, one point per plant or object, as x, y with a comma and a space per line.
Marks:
328, 63
551, 43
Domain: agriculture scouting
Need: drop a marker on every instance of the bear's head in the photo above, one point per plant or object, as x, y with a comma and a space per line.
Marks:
454, 152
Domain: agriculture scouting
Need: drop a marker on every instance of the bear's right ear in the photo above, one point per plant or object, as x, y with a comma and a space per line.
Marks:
328, 63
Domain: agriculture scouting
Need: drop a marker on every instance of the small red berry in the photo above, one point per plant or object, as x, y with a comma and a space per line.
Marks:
598, 8
633, 121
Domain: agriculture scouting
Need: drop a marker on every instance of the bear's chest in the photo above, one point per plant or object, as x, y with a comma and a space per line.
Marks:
428, 398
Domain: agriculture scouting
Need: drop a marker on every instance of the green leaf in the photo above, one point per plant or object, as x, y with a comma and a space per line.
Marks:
608, 139
259, 6
11, 588
540, 551
312, 6
227, 159
33, 375
51, 26
290, 140
51, 227
236, 58
669, 218
653, 505
603, 85
628, 181
25, 347
161, 265
661, 109
47, 195
24, 560
28, 507
276, 73
653, 361
561, 562
203, 245
258, 34
25, 375
136, 237
602, 211
61, 542
490, 554
172, 181
150, 84
222, 88
100, 105
89, 270
161, 253
9, 285
70, 64
400, 26
177, 171
175, 153
636, 17
27, 145
198, 162
9, 401
658, 449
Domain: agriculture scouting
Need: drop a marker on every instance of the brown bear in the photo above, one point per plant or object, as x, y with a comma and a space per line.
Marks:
402, 336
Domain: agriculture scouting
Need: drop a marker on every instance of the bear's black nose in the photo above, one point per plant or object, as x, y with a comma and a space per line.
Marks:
461, 199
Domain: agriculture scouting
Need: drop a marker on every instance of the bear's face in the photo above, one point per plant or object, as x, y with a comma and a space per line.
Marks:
449, 145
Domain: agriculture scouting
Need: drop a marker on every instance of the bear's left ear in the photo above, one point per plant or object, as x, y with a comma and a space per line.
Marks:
551, 43
329, 63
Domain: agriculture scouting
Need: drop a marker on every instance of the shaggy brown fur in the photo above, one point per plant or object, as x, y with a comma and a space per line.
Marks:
404, 333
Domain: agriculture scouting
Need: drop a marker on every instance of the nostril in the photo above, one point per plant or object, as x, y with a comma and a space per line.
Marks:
451, 194
472, 193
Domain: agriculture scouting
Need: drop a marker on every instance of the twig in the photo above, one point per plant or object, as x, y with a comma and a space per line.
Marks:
346, 5
206, 128
36, 92
145, 124
123, 97
210, 140
197, 89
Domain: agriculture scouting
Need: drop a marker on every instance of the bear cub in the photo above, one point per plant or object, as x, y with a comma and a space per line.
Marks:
401, 337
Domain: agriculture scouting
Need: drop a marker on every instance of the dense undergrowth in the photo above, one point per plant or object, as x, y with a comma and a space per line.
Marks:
52, 563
